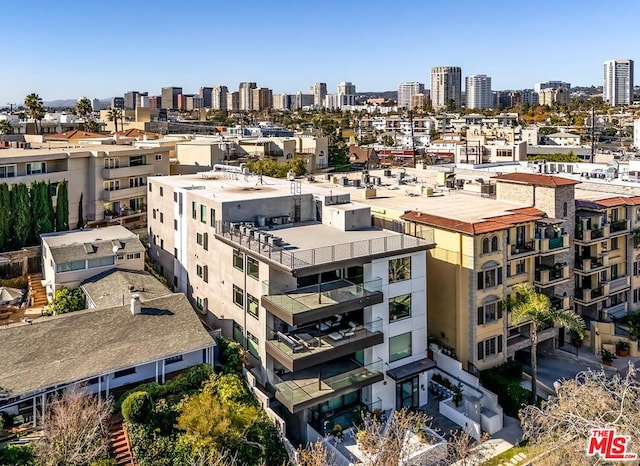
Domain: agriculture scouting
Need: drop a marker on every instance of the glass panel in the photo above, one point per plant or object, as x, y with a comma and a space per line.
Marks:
399, 347
253, 268
400, 307
399, 269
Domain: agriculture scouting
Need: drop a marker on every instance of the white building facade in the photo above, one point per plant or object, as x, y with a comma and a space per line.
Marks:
478, 90
406, 91
618, 82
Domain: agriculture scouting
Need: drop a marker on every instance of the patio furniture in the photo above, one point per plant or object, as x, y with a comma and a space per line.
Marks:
336, 336
324, 326
336, 323
348, 333
286, 339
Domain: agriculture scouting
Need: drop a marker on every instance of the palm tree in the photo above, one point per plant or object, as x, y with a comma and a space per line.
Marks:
5, 127
83, 107
530, 306
35, 106
113, 115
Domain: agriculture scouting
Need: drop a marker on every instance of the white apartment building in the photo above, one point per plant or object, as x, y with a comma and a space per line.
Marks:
537, 87
406, 91
245, 98
446, 86
338, 101
219, 98
618, 82
331, 310
319, 91
636, 133
478, 91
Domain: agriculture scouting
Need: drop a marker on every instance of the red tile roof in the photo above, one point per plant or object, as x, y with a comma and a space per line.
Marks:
536, 180
73, 134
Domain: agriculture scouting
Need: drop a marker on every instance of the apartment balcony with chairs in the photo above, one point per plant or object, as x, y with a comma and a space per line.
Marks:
317, 302
522, 249
589, 265
310, 345
550, 276
302, 389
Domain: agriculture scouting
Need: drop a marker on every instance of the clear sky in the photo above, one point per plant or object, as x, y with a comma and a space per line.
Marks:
69, 48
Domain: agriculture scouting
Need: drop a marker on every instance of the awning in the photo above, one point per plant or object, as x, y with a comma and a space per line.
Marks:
411, 369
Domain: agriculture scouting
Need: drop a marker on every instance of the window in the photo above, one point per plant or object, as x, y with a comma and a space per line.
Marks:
175, 224
161, 243
490, 312
489, 347
238, 296
203, 272
485, 246
201, 303
137, 160
158, 156
175, 252
133, 256
521, 266
238, 332
399, 269
636, 295
175, 196
194, 211
111, 162
614, 244
636, 268
161, 191
124, 373
7, 171
172, 360
150, 187
614, 271
112, 185
253, 268
212, 218
199, 239
101, 262
203, 213
490, 278
564, 210
494, 243
238, 259
399, 347
253, 306
136, 181
153, 213
400, 307
205, 241
161, 217
253, 345
70, 266
489, 244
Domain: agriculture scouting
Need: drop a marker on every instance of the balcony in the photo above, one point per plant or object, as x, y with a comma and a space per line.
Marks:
589, 265
591, 295
615, 312
619, 284
560, 303
314, 303
125, 172
522, 249
553, 245
302, 389
619, 227
309, 346
588, 236
549, 276
124, 193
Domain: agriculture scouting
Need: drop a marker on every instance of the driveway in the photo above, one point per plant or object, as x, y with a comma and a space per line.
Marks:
551, 368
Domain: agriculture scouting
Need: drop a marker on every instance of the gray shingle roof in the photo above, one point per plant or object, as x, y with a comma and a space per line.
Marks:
115, 287
84, 344
95, 249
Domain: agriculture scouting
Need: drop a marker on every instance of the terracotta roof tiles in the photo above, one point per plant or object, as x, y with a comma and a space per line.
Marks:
536, 180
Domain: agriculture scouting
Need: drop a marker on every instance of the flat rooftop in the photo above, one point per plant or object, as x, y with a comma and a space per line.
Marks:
65, 238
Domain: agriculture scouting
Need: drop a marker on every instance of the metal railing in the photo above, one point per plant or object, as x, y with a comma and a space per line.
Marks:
523, 248
267, 245
618, 225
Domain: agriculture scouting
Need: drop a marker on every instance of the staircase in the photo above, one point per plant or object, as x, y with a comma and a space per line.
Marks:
119, 447
36, 291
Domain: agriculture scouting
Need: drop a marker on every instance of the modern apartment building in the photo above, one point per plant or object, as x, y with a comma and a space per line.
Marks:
331, 310
111, 179
346, 87
233, 101
300, 100
319, 91
618, 82
205, 95
446, 86
552, 95
478, 91
537, 87
219, 97
406, 91
246, 95
170, 97
262, 99
281, 102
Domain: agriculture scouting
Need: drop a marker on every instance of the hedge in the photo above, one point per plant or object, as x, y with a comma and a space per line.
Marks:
504, 380
137, 407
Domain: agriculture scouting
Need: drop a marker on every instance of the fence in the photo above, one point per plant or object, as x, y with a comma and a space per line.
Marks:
14, 264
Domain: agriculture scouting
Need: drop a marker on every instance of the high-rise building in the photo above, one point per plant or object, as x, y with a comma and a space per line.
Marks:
551, 85
281, 102
478, 91
170, 97
96, 106
319, 91
130, 100
262, 99
155, 102
347, 88
299, 100
406, 91
233, 101
618, 82
117, 102
219, 98
446, 86
246, 95
419, 101
205, 94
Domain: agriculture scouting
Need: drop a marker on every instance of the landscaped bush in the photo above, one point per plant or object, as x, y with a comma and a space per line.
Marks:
231, 355
66, 300
21, 283
104, 462
13, 455
504, 380
137, 407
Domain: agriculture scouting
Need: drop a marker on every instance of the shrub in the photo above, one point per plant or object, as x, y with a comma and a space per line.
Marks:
104, 462
230, 388
13, 455
137, 407
66, 300
231, 355
504, 380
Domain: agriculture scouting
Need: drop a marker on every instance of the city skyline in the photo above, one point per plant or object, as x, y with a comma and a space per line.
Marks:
263, 44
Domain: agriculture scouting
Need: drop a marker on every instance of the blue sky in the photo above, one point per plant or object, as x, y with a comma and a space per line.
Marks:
70, 48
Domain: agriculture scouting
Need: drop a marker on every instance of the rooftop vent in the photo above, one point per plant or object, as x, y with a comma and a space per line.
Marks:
136, 305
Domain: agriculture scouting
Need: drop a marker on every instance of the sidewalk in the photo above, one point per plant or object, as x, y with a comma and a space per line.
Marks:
619, 364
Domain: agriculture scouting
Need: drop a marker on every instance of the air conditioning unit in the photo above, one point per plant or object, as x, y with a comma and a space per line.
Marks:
276, 221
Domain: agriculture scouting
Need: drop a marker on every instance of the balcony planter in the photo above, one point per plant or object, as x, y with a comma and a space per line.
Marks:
576, 339
607, 357
622, 348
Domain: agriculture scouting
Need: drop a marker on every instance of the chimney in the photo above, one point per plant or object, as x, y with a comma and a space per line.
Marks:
136, 306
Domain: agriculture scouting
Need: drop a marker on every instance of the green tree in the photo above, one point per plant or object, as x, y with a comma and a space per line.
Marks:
62, 207
35, 107
137, 407
533, 307
41, 210
6, 222
20, 215
6, 127
114, 114
80, 223
91, 125
66, 300
83, 107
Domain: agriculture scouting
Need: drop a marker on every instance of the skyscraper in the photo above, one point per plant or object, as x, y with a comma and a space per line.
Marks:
219, 98
246, 95
346, 88
170, 97
319, 91
406, 91
618, 82
478, 91
446, 86
262, 99
205, 94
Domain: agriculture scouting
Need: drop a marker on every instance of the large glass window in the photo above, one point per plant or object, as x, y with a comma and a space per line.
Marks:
253, 306
7, 171
238, 259
238, 296
490, 347
238, 332
203, 213
35, 168
70, 266
101, 262
399, 347
253, 345
136, 160
253, 267
399, 269
400, 307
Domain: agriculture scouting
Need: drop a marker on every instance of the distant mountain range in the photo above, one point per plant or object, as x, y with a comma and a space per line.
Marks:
71, 103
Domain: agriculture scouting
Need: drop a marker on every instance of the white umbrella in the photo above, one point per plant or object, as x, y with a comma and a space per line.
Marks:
9, 295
